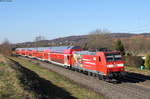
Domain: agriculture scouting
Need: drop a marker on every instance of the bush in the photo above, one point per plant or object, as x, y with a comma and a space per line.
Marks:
134, 61
147, 62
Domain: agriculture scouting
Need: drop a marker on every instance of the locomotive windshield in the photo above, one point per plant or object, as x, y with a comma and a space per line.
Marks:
113, 57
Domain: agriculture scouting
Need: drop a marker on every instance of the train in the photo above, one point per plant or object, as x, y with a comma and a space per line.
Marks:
107, 65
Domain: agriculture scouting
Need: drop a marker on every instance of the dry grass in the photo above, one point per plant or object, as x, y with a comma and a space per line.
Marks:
137, 70
10, 86
2, 59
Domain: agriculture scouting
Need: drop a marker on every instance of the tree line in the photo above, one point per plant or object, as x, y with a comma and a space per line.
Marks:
131, 48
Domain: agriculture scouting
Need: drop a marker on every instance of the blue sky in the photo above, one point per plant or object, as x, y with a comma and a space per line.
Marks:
23, 20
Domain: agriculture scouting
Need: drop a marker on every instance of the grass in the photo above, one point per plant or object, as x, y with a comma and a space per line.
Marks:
137, 70
60, 81
10, 86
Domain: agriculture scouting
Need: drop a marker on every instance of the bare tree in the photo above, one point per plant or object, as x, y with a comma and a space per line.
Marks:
5, 47
100, 31
137, 45
39, 38
99, 39
39, 41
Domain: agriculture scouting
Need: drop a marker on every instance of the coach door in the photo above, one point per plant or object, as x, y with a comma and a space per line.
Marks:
66, 59
49, 57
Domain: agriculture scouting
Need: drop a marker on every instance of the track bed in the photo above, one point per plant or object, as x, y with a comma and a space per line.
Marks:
125, 90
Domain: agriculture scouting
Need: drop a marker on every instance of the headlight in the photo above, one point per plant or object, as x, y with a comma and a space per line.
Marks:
110, 66
120, 65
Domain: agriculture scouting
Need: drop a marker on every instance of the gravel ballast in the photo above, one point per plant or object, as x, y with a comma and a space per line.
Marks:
112, 91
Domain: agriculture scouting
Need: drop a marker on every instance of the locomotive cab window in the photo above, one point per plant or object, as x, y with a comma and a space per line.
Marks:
117, 57
109, 58
113, 57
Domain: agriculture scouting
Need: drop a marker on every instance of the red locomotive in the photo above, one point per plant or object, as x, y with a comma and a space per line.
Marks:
106, 65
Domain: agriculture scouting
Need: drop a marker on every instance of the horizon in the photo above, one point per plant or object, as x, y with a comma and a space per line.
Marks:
22, 21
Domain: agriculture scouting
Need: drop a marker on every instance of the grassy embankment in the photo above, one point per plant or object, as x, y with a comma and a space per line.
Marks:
137, 70
60, 81
10, 85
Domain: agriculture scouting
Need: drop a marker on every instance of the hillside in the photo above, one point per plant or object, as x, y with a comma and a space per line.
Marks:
77, 39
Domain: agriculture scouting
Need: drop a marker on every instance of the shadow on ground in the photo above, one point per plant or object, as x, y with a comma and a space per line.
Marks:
43, 89
135, 78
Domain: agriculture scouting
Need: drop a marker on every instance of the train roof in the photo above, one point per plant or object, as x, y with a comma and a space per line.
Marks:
30, 48
43, 48
60, 49
85, 53
53, 49
94, 53
21, 48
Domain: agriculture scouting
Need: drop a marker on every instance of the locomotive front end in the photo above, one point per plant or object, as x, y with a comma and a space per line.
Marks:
115, 65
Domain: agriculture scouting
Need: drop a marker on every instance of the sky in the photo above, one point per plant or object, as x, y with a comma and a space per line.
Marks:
23, 20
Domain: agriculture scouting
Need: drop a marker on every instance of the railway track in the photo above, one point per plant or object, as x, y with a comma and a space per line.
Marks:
125, 90
130, 90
